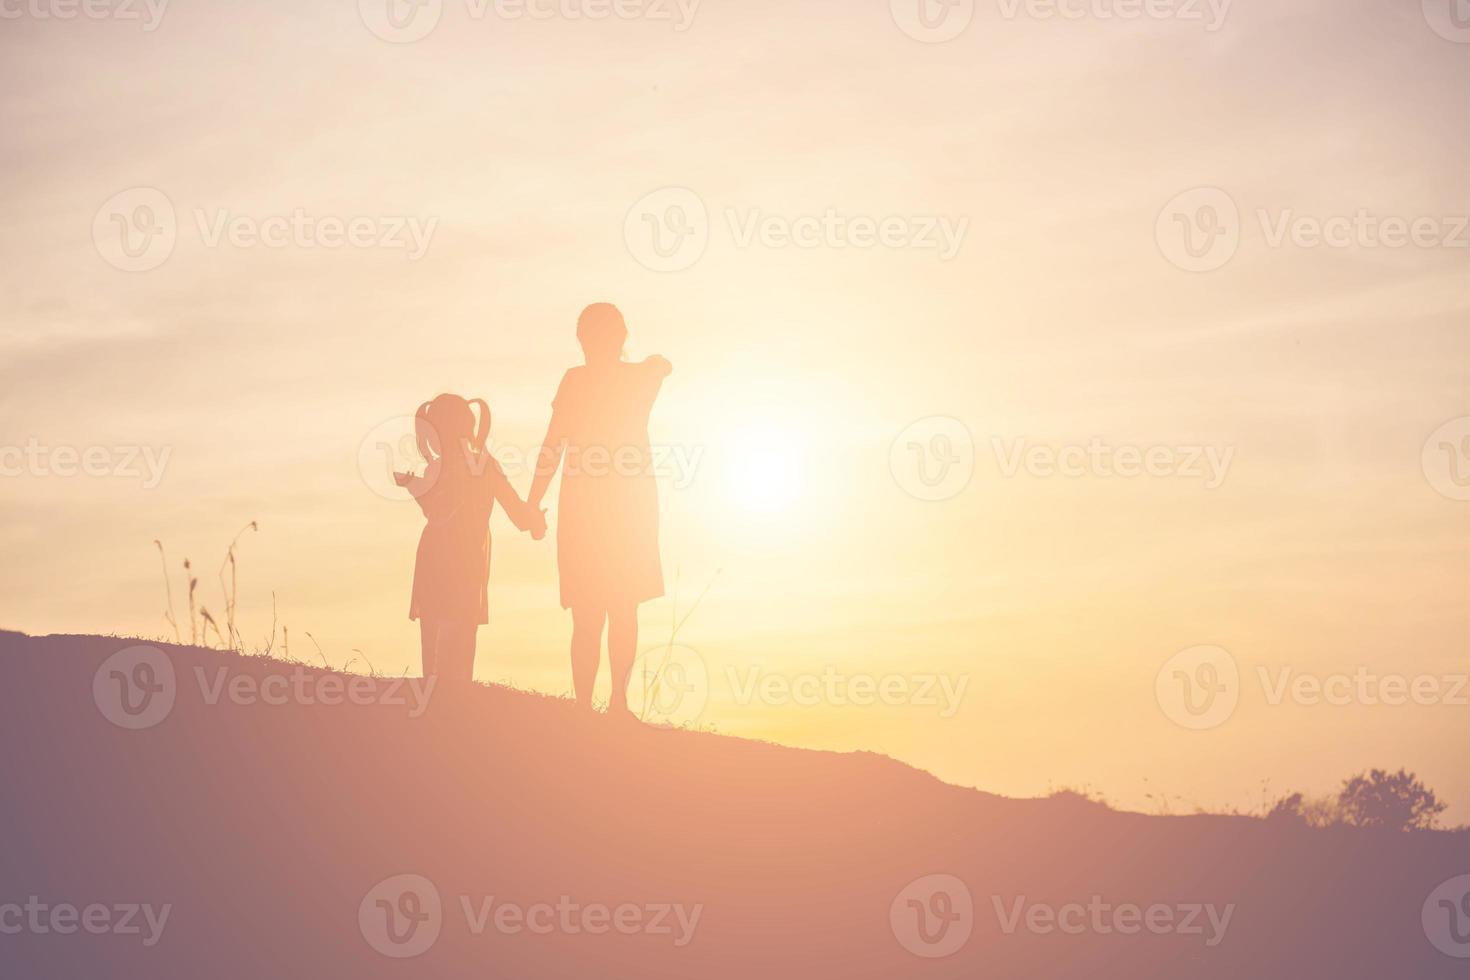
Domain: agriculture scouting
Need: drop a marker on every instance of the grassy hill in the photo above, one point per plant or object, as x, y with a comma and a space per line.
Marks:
539, 843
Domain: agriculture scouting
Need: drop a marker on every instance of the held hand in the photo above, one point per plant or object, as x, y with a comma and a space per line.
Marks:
538, 526
402, 479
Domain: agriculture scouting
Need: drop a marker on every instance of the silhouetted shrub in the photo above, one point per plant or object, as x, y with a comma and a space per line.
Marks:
1316, 811
1378, 800
1389, 801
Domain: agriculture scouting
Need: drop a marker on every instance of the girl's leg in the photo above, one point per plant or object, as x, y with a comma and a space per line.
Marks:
429, 637
586, 651
622, 647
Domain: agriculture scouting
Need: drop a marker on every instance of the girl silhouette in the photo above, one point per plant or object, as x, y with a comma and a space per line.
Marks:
457, 492
607, 514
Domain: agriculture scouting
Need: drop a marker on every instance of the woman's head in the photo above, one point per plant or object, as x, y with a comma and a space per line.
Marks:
448, 423
602, 333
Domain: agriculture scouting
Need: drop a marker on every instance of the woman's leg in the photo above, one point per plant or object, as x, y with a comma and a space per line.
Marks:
586, 651
457, 654
429, 638
622, 650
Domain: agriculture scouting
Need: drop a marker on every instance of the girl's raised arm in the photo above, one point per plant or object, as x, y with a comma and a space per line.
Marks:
419, 487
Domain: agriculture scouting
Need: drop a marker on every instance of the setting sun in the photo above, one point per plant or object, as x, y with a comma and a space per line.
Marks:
764, 470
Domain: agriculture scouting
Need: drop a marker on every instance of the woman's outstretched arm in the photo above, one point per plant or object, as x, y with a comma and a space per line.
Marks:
521, 513
547, 462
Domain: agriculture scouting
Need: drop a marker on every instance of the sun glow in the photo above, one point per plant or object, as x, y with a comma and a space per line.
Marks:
764, 469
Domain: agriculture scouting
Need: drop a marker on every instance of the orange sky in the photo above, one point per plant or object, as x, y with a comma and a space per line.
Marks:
1051, 317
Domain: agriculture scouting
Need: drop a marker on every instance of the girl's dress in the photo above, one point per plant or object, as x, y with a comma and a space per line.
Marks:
452, 572
607, 520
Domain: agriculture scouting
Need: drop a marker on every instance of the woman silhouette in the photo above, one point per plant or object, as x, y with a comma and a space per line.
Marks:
607, 514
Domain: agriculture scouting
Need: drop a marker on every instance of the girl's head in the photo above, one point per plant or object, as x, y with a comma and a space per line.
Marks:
602, 333
448, 423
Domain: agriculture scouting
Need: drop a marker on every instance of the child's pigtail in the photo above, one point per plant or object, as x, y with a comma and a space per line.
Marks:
482, 433
422, 430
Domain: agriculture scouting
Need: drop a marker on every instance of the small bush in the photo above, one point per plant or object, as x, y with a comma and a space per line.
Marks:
1389, 801
1314, 811
1376, 800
